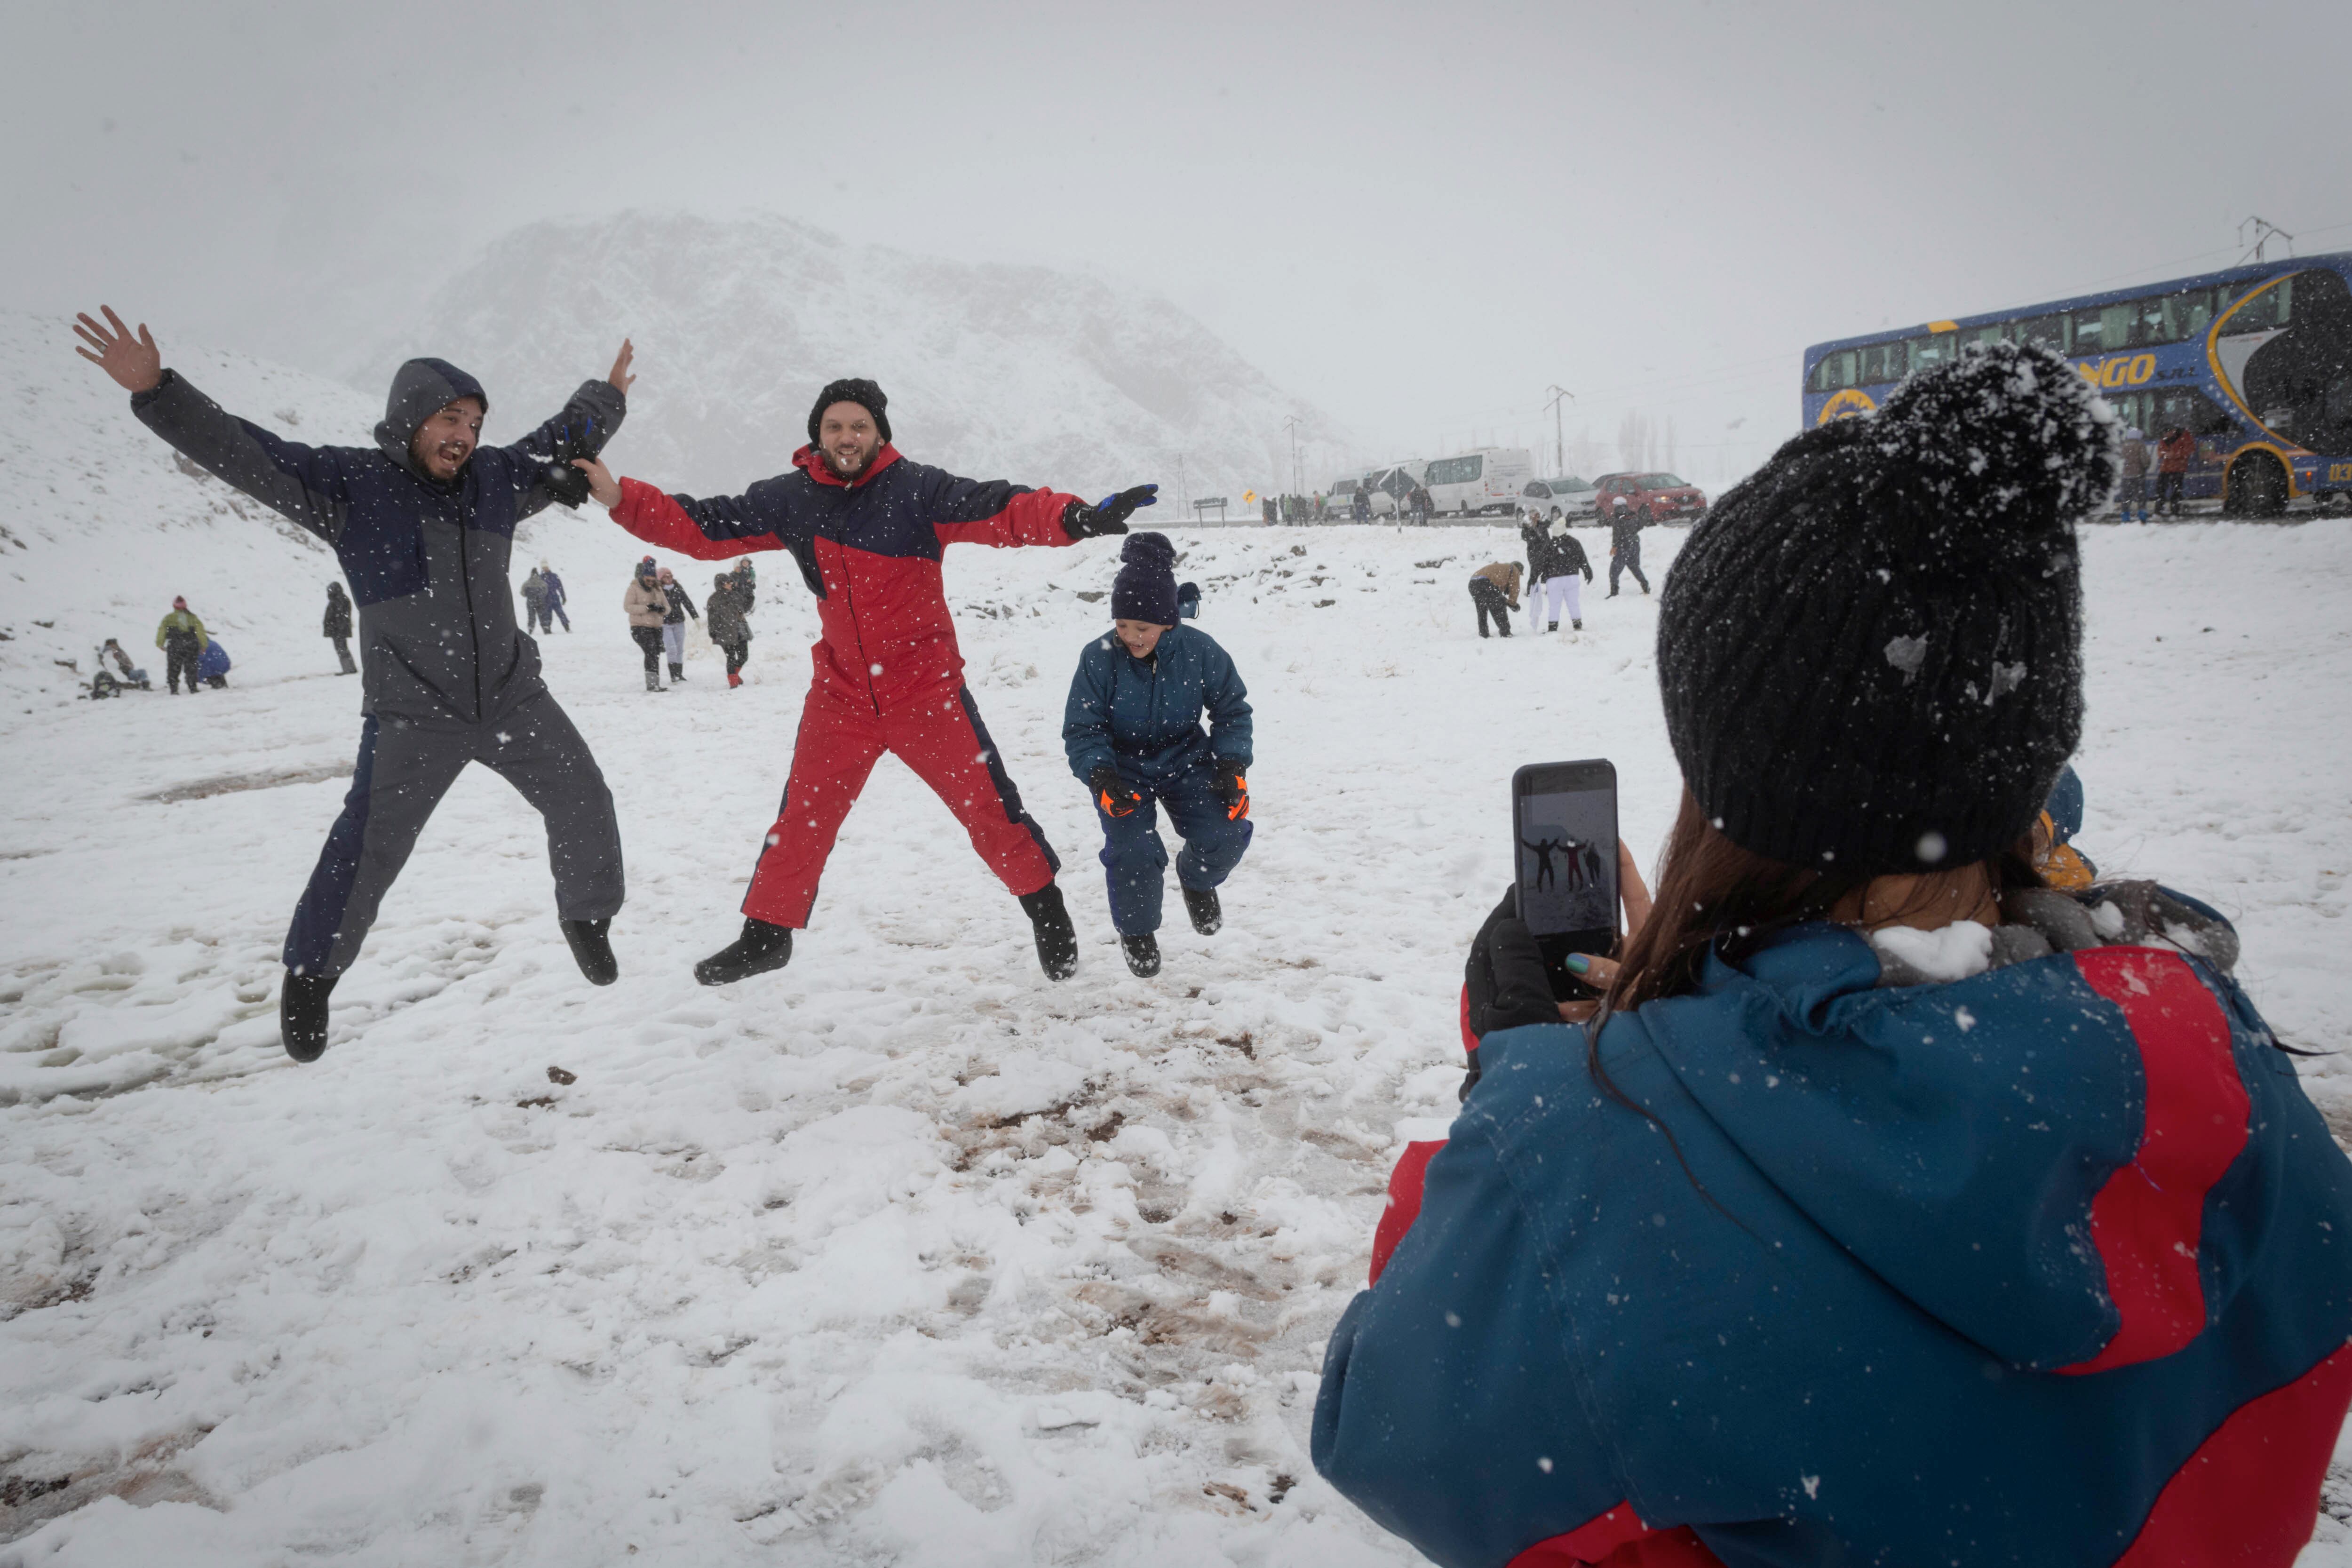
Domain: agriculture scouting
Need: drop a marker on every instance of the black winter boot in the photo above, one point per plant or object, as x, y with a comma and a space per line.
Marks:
760, 948
1208, 914
592, 948
676, 672
1142, 952
1576, 626
302, 1015
1057, 942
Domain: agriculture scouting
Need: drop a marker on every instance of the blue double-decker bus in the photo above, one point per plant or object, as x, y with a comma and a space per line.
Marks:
2254, 363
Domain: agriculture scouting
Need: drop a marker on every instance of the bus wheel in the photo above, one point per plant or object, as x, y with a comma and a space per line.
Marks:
2257, 487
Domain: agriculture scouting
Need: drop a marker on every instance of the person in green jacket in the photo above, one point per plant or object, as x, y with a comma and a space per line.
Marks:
183, 638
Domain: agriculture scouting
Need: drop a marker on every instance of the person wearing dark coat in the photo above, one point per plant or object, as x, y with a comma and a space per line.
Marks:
1555, 560
681, 605
868, 530
554, 595
1625, 544
337, 626
1874, 1202
423, 523
1132, 731
727, 616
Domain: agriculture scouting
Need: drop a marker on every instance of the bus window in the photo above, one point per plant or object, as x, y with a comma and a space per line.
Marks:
2270, 307
2186, 315
1884, 361
2048, 331
1834, 371
1996, 333
1941, 348
2147, 321
2102, 329
2191, 411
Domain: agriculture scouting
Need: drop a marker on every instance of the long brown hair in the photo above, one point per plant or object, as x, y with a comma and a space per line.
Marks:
1712, 895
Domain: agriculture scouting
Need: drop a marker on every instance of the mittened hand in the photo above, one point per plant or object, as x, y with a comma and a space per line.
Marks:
1232, 782
1080, 520
565, 483
1113, 795
1507, 986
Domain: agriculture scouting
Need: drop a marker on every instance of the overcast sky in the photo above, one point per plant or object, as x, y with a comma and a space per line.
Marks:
1415, 217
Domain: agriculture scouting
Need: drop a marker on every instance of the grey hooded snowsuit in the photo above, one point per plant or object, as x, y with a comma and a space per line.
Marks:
448, 676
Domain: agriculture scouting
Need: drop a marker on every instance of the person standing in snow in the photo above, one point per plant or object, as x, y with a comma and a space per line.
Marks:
1555, 558
422, 523
727, 614
182, 637
869, 529
1891, 1206
534, 602
645, 605
1494, 593
2172, 455
681, 605
1132, 731
337, 626
1625, 544
554, 595
2132, 493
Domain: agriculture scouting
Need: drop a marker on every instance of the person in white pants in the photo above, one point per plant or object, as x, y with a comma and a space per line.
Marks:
1556, 560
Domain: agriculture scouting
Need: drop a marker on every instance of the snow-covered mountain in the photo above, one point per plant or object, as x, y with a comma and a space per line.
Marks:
1020, 373
100, 523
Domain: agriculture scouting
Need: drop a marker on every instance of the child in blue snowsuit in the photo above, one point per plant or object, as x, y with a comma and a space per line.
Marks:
1133, 733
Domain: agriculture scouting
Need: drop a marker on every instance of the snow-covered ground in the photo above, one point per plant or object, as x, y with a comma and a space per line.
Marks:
905, 1255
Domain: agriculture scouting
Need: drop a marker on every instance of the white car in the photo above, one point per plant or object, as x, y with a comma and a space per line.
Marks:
1567, 496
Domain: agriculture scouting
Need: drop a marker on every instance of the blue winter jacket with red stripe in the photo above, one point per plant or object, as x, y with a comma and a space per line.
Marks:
2051, 1265
869, 552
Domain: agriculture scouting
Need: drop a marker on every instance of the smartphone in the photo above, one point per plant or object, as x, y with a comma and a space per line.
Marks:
1564, 843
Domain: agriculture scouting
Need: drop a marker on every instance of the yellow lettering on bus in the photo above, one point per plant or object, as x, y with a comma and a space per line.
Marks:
2143, 369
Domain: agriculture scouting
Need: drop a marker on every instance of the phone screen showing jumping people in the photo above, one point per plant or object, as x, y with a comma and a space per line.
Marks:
1564, 843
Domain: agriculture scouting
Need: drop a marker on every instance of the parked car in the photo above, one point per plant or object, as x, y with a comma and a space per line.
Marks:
1656, 497
1486, 479
1567, 496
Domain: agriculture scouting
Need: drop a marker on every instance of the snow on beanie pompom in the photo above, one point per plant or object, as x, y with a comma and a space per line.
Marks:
1870, 650
851, 389
1145, 589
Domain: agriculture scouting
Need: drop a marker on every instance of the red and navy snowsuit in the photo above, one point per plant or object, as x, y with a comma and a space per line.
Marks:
889, 677
2049, 1265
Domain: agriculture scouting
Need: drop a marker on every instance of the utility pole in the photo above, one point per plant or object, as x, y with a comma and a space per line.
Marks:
1183, 501
1298, 481
2264, 231
1559, 441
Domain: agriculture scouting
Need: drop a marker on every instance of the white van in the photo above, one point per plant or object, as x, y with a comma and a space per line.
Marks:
1490, 479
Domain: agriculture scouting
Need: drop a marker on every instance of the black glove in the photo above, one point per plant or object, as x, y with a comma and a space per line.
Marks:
567, 484
1113, 794
1505, 979
1080, 520
1231, 784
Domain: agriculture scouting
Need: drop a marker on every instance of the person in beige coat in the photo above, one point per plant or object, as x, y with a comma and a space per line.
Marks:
1495, 592
647, 606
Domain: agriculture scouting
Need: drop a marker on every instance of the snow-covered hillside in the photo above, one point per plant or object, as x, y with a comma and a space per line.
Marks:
1020, 373
904, 1255
100, 523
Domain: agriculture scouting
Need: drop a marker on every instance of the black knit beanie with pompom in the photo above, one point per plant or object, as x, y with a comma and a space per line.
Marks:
1870, 650
1144, 588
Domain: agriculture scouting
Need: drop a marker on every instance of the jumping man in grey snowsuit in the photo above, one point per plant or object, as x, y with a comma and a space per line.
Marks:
422, 523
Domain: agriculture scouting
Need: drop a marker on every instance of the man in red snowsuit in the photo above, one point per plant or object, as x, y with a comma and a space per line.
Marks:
868, 529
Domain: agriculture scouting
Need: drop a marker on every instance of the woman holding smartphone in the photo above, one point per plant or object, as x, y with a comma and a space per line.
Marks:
1891, 1205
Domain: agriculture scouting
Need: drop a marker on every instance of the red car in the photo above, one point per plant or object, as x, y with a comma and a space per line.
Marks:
1655, 498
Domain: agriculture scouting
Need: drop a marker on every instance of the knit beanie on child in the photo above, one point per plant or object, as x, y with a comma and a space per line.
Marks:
853, 389
1146, 587
1870, 650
